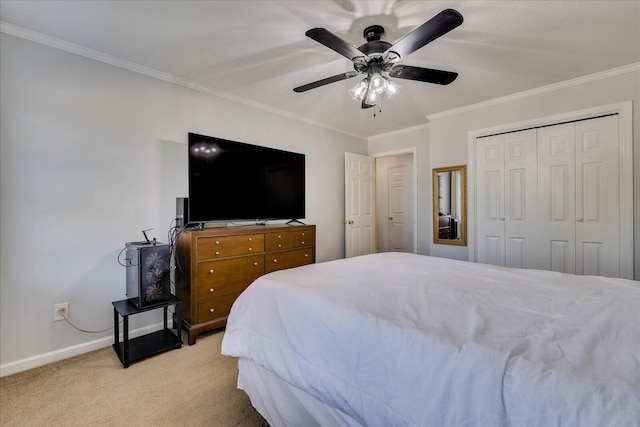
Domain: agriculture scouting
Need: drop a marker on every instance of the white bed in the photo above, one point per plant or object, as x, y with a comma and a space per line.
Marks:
399, 339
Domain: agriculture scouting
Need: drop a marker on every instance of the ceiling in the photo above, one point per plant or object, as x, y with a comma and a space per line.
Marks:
256, 52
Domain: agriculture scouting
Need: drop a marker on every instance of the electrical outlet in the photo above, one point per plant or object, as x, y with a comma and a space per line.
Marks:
60, 311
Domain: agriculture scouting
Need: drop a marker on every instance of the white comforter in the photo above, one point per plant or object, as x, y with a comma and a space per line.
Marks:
408, 340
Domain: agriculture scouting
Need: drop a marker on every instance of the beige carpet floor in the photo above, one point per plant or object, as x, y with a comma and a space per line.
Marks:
191, 386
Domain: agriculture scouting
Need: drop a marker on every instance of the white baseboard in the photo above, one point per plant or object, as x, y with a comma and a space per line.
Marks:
75, 350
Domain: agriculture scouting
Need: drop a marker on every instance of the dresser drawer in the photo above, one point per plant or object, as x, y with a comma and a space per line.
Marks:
288, 259
216, 307
216, 278
226, 246
289, 240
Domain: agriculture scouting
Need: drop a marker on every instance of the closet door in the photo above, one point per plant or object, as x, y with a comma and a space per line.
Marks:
506, 200
556, 198
578, 188
490, 200
597, 197
521, 194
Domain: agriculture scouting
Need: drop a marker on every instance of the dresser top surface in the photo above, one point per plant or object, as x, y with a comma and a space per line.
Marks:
247, 229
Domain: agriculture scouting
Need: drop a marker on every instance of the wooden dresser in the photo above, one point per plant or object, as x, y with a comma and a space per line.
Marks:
215, 265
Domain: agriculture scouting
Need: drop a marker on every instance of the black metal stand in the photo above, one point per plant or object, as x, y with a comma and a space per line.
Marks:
146, 345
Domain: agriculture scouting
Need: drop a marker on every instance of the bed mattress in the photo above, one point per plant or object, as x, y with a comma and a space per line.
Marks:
398, 339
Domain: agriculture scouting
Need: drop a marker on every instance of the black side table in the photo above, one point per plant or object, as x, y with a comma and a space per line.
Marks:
150, 344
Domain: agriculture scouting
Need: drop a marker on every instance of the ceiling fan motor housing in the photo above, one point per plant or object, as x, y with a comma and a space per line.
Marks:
373, 32
374, 45
373, 49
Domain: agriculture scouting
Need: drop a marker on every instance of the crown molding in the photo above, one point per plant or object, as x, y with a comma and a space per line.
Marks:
537, 91
56, 43
399, 131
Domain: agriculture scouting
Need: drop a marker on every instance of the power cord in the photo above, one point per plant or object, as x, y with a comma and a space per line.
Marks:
63, 313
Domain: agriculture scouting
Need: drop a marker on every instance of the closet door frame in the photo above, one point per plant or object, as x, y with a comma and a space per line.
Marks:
624, 111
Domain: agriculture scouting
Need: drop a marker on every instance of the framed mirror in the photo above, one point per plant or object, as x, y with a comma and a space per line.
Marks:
450, 205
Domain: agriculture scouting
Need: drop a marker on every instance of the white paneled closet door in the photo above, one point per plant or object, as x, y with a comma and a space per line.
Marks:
506, 199
549, 198
556, 202
579, 197
597, 197
490, 195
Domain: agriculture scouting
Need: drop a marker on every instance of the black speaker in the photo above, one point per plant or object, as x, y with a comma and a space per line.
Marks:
182, 212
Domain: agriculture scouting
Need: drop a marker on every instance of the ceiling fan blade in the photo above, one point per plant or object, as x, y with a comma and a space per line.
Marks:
437, 26
423, 74
334, 43
326, 81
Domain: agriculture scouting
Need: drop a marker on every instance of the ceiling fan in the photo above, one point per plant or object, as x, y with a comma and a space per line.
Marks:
376, 57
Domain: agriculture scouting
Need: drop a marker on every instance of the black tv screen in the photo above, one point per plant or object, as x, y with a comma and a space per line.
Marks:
231, 180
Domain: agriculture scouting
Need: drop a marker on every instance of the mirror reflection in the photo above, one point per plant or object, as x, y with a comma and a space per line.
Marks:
450, 205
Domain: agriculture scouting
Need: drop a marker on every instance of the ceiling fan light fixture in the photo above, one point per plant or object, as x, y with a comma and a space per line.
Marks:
377, 83
358, 91
372, 98
372, 87
391, 87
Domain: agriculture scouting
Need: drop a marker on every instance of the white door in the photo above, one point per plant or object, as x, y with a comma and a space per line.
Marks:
394, 190
490, 205
359, 205
556, 203
579, 207
520, 200
506, 199
597, 197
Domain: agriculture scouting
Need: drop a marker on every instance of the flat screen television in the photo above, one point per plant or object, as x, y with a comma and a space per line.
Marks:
231, 180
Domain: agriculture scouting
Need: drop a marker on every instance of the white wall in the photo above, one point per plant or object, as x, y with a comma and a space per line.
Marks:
413, 138
92, 154
449, 132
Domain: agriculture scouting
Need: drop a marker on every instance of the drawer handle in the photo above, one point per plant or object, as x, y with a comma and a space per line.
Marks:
303, 234
251, 239
306, 255
217, 253
211, 271
255, 264
217, 242
211, 310
279, 236
211, 290
279, 245
275, 260
250, 249
303, 243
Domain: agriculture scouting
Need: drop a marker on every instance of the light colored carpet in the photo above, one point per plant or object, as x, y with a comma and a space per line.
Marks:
191, 386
